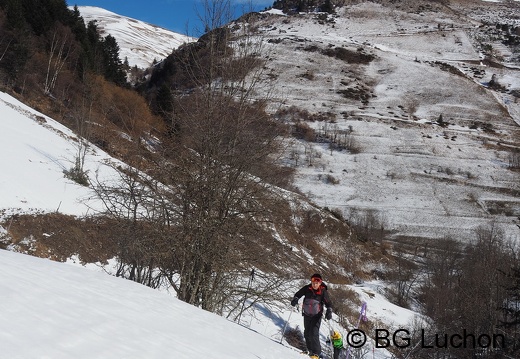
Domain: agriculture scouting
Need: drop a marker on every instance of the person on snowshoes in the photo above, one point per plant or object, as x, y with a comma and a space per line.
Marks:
315, 296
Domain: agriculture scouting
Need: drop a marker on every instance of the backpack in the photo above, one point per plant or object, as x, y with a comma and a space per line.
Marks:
337, 340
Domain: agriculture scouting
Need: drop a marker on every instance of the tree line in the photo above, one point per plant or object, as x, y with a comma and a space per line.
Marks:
30, 28
467, 291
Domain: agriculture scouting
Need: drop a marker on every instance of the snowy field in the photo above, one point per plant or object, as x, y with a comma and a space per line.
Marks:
54, 310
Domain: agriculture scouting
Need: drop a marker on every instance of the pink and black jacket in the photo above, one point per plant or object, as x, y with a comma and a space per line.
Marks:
314, 300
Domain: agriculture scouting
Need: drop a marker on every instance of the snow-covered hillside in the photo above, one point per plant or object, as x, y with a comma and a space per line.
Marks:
61, 310
54, 310
141, 43
36, 150
422, 177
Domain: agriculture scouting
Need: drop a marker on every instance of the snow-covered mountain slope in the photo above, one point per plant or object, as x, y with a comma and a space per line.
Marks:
420, 177
69, 312
430, 143
55, 310
37, 150
141, 43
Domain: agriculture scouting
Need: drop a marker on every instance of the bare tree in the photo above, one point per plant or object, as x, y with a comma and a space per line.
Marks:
466, 288
60, 47
6, 47
208, 192
369, 225
442, 273
225, 154
131, 204
510, 322
81, 116
403, 277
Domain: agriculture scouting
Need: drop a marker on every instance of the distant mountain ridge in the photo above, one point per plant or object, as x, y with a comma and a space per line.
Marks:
140, 43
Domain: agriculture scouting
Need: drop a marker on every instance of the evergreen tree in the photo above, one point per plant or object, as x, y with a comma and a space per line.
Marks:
14, 12
113, 67
327, 7
164, 101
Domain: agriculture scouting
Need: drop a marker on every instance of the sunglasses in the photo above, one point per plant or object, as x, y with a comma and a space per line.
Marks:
316, 280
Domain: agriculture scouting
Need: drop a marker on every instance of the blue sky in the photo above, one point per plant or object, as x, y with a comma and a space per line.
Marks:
175, 15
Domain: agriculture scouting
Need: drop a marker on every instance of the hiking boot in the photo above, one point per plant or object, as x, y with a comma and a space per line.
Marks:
314, 356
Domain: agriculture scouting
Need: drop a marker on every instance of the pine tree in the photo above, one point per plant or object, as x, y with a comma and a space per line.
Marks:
14, 12
327, 7
113, 67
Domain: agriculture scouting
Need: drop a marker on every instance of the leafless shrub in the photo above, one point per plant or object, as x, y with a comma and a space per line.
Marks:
358, 92
369, 225
495, 84
468, 174
402, 276
465, 285
473, 197
346, 302
309, 75
294, 337
449, 68
391, 174
331, 179
303, 131
351, 144
410, 105
352, 57
336, 212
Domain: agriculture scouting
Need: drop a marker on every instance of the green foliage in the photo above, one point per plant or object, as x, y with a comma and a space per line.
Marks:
327, 7
14, 59
42, 14
112, 65
164, 100
38, 15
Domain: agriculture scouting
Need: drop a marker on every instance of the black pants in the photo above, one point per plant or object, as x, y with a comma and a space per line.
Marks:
339, 353
311, 332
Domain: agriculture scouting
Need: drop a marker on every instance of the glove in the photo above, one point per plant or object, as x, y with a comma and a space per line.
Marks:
294, 301
328, 314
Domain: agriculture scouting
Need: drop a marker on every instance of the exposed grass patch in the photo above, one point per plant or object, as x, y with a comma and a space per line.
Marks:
352, 57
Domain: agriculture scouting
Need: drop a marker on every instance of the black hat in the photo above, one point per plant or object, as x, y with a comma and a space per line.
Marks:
316, 275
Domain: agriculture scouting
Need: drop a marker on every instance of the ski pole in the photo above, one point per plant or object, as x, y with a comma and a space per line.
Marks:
285, 326
362, 316
331, 331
